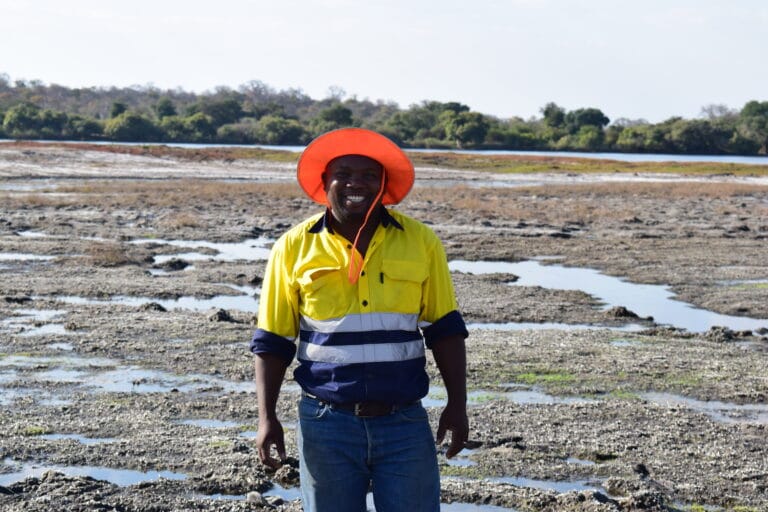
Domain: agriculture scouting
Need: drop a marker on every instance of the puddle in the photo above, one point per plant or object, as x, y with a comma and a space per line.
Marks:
253, 249
523, 326
121, 477
80, 439
724, 412
246, 302
19, 256
626, 343
437, 397
579, 462
550, 485
461, 459
203, 423
109, 376
643, 299
451, 507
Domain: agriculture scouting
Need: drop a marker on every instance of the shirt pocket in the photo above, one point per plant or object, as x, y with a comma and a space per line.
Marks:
321, 293
402, 282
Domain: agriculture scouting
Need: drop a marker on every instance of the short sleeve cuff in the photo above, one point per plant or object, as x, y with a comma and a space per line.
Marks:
449, 325
265, 342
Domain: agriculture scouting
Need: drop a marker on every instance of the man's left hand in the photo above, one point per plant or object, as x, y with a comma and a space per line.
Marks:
453, 419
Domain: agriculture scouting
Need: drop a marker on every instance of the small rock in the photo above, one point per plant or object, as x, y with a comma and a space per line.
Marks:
153, 306
175, 264
620, 312
221, 315
719, 334
18, 299
255, 498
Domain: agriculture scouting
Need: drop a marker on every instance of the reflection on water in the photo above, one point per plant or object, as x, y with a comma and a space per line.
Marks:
724, 412
643, 299
121, 477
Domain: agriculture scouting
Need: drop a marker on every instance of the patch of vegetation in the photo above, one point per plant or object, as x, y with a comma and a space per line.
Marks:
222, 443
545, 377
35, 430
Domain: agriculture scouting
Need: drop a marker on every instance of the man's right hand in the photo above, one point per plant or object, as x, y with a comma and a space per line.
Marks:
270, 433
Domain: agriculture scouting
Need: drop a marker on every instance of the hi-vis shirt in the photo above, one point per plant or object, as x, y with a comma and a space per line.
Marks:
362, 341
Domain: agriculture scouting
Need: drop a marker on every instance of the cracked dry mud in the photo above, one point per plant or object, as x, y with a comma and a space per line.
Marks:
614, 420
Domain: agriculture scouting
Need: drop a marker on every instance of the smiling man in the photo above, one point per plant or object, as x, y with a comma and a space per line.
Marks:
357, 294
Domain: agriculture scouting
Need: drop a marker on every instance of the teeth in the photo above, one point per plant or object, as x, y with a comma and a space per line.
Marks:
355, 199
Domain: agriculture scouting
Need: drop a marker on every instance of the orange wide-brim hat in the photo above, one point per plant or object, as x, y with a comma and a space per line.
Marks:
398, 168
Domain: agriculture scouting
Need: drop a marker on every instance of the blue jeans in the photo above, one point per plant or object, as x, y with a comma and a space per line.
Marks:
343, 455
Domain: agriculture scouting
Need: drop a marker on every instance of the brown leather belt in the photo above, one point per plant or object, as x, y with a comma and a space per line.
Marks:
369, 409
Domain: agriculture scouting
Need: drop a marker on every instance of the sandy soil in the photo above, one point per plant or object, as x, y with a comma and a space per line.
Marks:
579, 419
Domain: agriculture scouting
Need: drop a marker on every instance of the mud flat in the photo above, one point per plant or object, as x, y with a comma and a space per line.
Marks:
128, 288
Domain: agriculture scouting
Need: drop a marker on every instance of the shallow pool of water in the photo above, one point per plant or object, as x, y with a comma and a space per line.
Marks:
438, 397
206, 423
643, 299
121, 477
524, 326
252, 249
724, 412
101, 375
19, 256
90, 441
247, 302
552, 485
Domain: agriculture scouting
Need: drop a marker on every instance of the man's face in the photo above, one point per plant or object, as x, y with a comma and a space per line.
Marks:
352, 183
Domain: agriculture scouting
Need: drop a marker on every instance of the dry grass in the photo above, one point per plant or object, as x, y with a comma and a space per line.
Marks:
107, 254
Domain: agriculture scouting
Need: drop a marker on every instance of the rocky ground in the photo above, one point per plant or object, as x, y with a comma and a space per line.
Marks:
114, 399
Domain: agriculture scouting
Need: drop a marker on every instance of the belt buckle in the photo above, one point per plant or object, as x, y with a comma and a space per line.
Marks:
372, 409
359, 410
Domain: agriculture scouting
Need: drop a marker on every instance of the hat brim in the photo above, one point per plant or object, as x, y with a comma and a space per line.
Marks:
355, 141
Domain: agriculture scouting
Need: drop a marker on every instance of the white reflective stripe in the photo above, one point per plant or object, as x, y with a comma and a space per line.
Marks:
363, 323
370, 353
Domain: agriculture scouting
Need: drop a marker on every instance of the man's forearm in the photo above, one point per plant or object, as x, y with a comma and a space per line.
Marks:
451, 359
269, 371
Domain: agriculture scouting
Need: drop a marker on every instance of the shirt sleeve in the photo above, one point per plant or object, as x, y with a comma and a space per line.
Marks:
439, 310
278, 319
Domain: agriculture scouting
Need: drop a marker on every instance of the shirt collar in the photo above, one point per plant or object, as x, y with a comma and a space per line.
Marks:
324, 222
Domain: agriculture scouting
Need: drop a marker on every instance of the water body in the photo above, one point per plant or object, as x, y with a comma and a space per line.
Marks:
643, 299
246, 302
121, 477
252, 249
723, 412
554, 485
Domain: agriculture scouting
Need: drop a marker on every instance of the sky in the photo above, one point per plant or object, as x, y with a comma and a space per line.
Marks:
649, 59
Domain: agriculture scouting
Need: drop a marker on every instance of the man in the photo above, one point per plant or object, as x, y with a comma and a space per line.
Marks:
362, 289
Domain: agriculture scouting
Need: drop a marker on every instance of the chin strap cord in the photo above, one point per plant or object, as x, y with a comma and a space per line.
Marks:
355, 258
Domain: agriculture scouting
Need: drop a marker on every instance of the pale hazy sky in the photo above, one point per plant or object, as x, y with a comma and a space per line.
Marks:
647, 59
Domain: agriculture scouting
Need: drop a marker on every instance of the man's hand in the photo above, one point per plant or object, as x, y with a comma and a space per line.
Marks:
453, 419
270, 434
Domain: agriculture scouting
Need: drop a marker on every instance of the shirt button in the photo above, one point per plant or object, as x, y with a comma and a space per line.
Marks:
349, 246
362, 273
365, 303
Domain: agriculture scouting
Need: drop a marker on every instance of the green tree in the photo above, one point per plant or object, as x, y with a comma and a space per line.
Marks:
165, 108
753, 124
464, 127
575, 119
279, 131
117, 108
83, 128
22, 121
131, 127
554, 115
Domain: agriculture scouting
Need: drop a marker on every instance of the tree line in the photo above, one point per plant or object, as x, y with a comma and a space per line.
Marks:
255, 113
